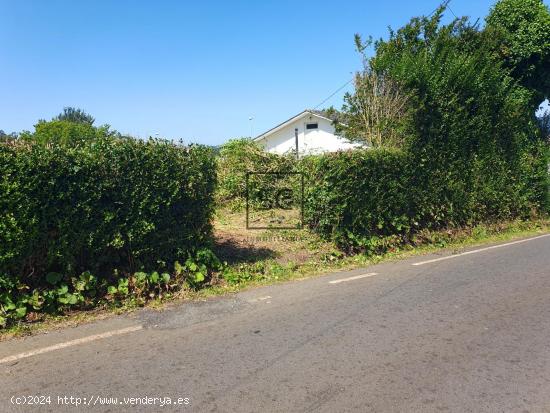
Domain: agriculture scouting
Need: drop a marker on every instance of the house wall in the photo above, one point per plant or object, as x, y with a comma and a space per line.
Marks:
310, 141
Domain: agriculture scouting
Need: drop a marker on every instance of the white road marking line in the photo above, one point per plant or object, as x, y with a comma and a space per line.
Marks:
69, 344
448, 257
355, 277
255, 300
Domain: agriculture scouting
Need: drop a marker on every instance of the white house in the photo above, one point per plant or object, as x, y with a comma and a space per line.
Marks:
310, 130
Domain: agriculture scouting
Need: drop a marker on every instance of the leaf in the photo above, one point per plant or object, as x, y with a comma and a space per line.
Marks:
199, 277
6, 302
140, 276
155, 277
178, 268
69, 299
72, 299
63, 290
21, 312
112, 289
35, 300
165, 277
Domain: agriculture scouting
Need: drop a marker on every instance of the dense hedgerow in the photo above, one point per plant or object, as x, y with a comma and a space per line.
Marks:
363, 198
361, 193
472, 150
108, 208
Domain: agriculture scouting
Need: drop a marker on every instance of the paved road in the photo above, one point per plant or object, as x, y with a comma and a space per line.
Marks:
467, 334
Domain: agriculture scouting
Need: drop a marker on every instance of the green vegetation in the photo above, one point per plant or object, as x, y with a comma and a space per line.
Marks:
64, 132
275, 256
459, 147
358, 198
520, 31
77, 220
75, 115
472, 151
275, 261
89, 218
236, 158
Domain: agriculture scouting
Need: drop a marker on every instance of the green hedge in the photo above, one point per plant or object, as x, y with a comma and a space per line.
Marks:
360, 198
109, 207
356, 194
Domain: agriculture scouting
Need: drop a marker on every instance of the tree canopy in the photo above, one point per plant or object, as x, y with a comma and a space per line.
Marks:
75, 115
431, 81
64, 132
523, 27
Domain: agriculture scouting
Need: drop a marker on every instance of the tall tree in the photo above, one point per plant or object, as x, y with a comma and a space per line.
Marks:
523, 27
64, 132
373, 113
75, 115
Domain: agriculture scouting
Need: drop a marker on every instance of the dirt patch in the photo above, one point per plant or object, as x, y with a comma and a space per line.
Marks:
235, 243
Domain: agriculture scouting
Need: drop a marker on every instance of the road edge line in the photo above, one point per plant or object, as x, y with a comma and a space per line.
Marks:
70, 343
448, 257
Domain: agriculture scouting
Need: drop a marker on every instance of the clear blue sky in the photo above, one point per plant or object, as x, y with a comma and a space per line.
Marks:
195, 70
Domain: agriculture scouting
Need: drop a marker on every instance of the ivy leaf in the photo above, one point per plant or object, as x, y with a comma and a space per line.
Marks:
155, 277
178, 268
21, 312
199, 277
72, 299
64, 289
7, 302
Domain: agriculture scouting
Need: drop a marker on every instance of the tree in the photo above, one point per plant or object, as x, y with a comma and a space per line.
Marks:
5, 137
469, 127
65, 132
374, 110
71, 127
75, 115
372, 114
524, 29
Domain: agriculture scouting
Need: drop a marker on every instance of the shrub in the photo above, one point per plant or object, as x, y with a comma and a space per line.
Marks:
473, 150
367, 200
110, 207
360, 193
472, 134
239, 156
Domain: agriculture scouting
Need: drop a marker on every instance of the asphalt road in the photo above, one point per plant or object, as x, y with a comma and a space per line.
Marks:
467, 334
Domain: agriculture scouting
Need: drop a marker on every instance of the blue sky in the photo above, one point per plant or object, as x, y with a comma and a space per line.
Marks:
195, 70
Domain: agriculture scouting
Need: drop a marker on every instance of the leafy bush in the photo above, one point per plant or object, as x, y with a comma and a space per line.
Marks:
472, 152
369, 200
472, 135
108, 207
356, 194
239, 156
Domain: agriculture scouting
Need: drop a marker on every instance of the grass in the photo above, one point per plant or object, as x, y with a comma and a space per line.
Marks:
307, 255
260, 257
